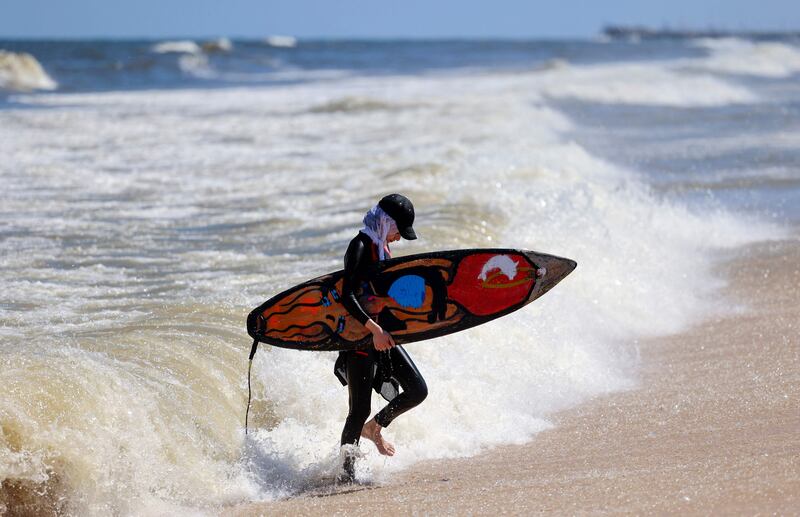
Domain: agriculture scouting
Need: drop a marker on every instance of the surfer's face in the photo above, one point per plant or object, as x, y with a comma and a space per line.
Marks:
394, 233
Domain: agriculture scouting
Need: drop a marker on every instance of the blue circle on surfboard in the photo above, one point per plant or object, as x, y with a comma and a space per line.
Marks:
408, 291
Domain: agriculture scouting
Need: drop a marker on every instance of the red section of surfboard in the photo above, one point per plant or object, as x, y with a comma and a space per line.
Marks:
488, 283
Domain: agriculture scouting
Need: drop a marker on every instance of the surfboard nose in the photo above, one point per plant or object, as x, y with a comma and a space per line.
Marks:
557, 268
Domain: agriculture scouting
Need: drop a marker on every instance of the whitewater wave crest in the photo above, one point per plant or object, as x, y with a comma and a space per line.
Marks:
22, 72
177, 47
281, 41
357, 104
746, 57
218, 45
640, 84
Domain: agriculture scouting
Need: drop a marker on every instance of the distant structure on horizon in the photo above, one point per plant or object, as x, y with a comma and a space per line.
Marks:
642, 32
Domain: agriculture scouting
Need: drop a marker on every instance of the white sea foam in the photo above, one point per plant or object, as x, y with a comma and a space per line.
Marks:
642, 84
133, 251
745, 57
22, 72
176, 47
196, 65
281, 41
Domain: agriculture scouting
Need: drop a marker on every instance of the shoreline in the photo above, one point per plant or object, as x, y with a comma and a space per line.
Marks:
713, 427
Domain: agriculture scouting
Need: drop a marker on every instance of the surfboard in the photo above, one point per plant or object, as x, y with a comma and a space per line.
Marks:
416, 297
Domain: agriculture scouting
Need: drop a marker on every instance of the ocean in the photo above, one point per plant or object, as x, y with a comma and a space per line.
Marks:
154, 192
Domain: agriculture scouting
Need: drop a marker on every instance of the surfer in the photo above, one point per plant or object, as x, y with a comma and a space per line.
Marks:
386, 366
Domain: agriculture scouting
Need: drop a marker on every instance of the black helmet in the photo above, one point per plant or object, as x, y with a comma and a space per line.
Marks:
401, 210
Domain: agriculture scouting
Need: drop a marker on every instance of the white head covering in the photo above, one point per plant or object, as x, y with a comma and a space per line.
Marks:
378, 225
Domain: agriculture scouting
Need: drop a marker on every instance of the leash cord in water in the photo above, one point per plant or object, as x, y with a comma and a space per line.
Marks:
249, 390
249, 394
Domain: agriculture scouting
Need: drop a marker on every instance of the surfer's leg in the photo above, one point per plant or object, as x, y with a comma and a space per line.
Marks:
414, 391
360, 374
414, 388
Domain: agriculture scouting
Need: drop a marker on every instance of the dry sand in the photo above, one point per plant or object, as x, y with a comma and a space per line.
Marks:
713, 428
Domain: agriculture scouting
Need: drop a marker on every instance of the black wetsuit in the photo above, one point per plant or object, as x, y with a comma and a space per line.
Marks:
361, 367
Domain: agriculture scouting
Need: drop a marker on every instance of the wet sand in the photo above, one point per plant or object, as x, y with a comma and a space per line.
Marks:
714, 427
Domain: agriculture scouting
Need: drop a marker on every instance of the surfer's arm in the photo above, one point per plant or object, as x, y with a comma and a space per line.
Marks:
354, 263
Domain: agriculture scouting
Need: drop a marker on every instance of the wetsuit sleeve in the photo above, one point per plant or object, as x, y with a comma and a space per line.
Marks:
355, 260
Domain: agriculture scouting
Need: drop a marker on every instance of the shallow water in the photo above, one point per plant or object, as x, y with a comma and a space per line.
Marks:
141, 226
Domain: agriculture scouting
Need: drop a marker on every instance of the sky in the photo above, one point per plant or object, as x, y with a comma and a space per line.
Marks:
380, 18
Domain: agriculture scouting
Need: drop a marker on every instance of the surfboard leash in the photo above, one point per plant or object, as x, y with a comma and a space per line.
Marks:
249, 390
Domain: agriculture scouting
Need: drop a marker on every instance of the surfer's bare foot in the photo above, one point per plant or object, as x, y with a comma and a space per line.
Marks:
541, 272
372, 431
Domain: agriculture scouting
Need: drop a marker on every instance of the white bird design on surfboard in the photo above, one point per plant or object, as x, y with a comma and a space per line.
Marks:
504, 263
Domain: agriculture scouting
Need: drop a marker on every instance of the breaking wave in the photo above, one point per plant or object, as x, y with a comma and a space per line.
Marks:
640, 84
281, 41
218, 45
745, 57
21, 72
177, 47
357, 104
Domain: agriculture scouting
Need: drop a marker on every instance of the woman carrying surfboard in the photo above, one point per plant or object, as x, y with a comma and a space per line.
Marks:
417, 297
386, 366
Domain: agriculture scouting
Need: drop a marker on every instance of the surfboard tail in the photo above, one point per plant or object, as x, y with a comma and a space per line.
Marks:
255, 324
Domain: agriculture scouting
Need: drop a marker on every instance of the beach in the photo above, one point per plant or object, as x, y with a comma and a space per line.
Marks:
712, 428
